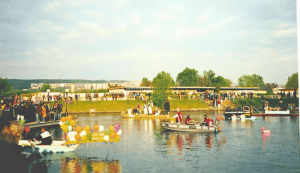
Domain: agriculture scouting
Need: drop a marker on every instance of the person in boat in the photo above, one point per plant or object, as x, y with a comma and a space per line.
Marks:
44, 137
189, 121
178, 116
204, 120
209, 121
12, 160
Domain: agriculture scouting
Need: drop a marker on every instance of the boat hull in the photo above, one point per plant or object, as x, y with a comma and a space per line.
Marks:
188, 128
55, 147
146, 116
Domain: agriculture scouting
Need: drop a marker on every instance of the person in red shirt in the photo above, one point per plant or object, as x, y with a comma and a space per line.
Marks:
209, 121
188, 120
178, 116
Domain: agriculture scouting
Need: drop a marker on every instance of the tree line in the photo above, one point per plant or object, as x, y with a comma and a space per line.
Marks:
190, 77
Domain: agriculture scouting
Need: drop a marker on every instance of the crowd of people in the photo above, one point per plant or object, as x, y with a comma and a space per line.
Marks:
15, 108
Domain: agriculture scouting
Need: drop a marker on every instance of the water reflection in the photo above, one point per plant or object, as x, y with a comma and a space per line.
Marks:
79, 164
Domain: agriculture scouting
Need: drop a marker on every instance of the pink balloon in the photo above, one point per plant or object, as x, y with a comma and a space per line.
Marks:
91, 130
117, 125
116, 128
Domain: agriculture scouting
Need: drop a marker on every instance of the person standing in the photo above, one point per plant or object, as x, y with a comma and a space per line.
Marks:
54, 109
44, 113
145, 109
59, 110
38, 111
149, 108
167, 107
48, 109
178, 116
7, 113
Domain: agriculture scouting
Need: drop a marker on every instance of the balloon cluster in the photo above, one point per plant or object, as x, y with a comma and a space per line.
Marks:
67, 123
96, 134
220, 118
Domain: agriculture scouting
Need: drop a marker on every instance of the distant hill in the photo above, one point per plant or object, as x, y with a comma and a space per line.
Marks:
25, 83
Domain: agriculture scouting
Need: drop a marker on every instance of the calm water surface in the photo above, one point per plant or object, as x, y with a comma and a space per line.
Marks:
146, 147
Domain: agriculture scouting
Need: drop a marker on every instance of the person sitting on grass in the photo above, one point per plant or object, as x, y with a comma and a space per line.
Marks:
189, 121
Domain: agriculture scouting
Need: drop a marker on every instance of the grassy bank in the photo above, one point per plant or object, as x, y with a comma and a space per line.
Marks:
257, 102
119, 106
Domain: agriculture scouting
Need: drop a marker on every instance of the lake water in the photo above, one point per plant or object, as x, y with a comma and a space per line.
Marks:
145, 147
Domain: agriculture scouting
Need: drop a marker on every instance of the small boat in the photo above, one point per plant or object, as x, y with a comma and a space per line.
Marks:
189, 128
275, 111
247, 111
129, 114
55, 147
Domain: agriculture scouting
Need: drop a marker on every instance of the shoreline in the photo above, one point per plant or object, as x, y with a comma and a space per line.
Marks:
182, 110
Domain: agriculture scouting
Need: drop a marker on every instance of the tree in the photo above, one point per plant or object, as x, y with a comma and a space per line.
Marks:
222, 82
292, 82
208, 79
269, 86
45, 87
146, 82
188, 77
251, 81
161, 87
5, 86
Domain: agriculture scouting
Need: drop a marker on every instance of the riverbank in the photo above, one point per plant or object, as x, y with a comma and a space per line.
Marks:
82, 107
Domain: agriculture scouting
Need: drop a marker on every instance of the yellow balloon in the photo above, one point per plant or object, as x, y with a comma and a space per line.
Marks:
84, 138
101, 139
117, 138
110, 140
87, 128
72, 122
65, 128
111, 128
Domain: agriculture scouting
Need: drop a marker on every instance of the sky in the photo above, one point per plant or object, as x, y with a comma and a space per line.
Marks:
133, 39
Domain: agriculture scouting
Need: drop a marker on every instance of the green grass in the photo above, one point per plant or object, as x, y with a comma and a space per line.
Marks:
119, 106
256, 102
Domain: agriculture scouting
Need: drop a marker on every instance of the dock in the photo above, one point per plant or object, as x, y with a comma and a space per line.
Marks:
42, 124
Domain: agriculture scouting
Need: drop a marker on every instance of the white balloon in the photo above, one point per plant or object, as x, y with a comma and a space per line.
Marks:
101, 128
71, 135
69, 128
106, 138
61, 123
119, 132
83, 133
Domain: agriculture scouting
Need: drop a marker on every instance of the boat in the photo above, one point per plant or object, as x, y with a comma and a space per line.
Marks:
55, 147
275, 111
247, 111
189, 128
129, 114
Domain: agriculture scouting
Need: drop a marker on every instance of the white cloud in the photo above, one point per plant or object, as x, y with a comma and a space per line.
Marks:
73, 3
137, 19
52, 6
285, 33
70, 35
47, 26
70, 17
122, 27
92, 28
93, 14
152, 30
